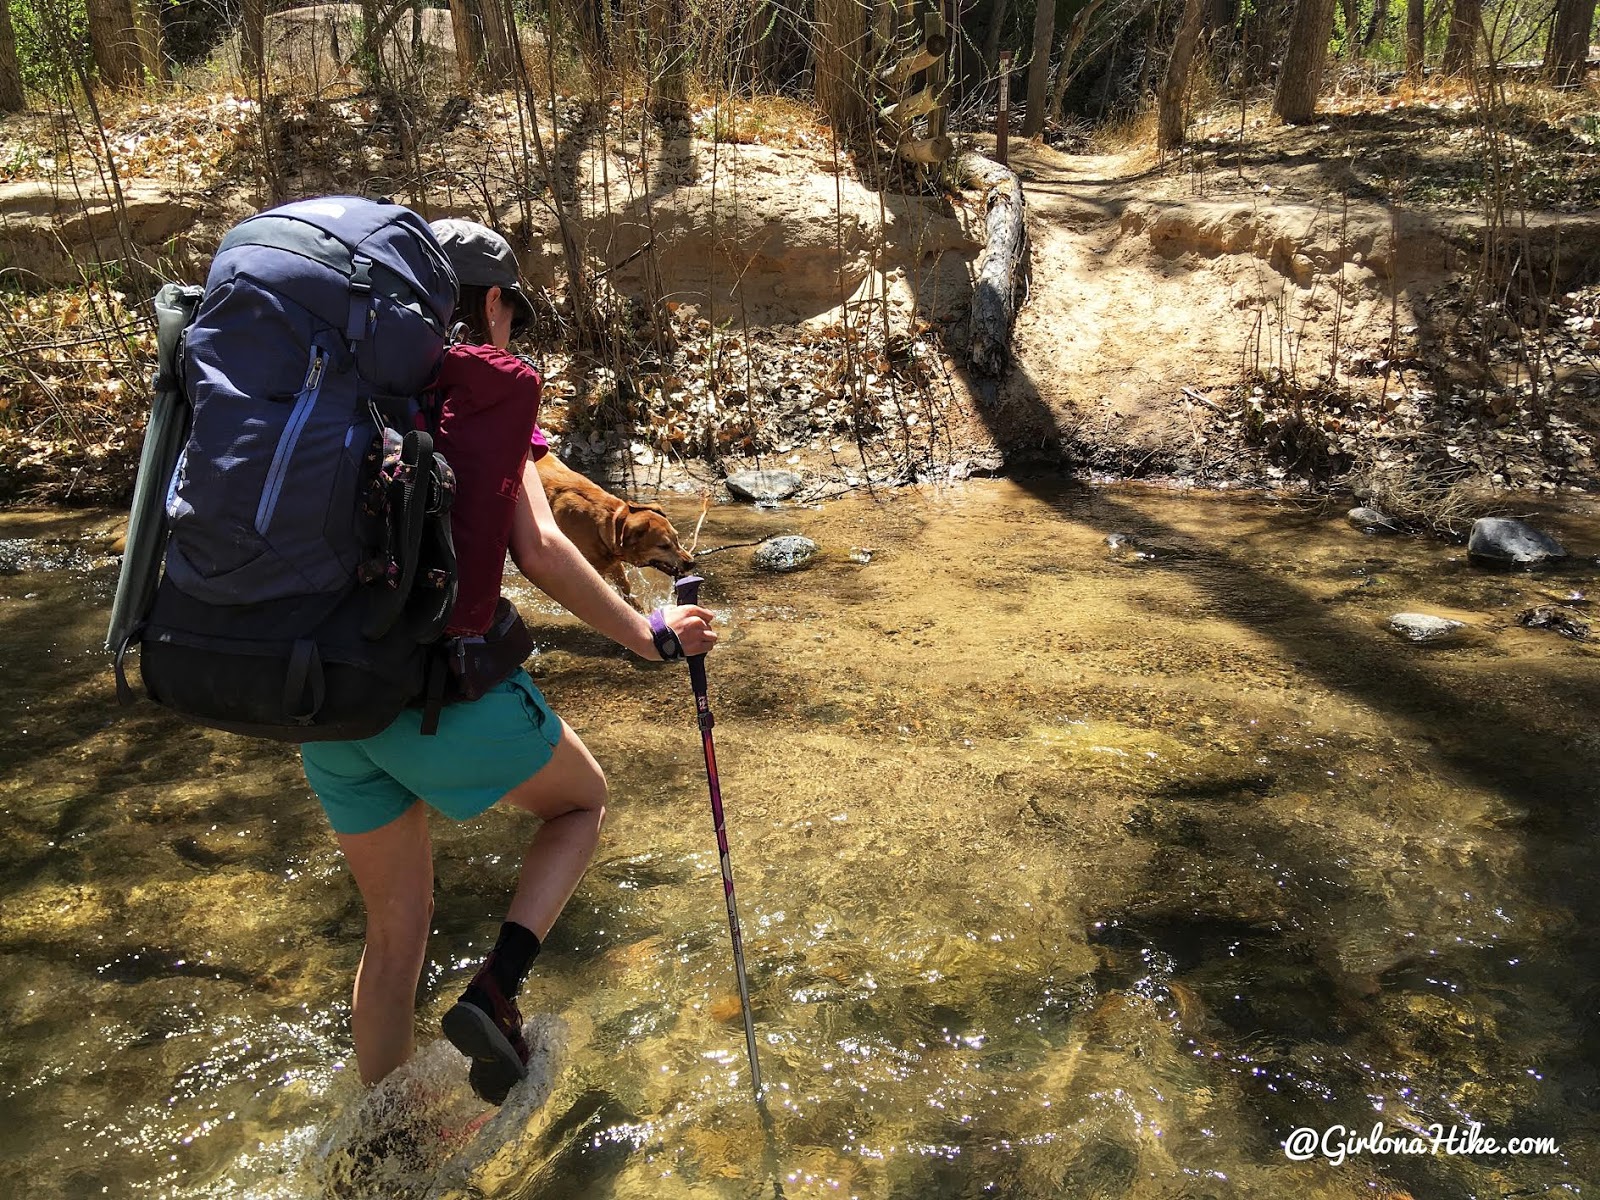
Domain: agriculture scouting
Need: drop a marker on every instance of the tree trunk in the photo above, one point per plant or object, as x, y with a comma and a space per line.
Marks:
997, 27
669, 92
1076, 32
1044, 34
468, 30
483, 46
253, 38
11, 97
994, 307
1459, 44
1301, 76
499, 34
1377, 25
1569, 42
114, 42
1352, 17
839, 44
1171, 122
1416, 37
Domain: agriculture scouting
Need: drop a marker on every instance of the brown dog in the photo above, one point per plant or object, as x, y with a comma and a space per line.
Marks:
610, 531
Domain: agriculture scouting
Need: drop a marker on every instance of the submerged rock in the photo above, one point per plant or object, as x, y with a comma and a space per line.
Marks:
1423, 628
1551, 616
763, 486
787, 553
1370, 520
1504, 542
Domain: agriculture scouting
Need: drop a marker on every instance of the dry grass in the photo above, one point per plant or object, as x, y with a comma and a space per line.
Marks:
1134, 135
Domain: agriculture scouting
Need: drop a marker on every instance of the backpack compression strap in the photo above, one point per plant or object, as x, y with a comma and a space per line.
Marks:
409, 500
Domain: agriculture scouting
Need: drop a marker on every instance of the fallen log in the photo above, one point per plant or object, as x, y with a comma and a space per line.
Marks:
994, 308
929, 152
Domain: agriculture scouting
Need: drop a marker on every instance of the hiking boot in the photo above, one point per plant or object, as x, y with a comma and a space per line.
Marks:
486, 1026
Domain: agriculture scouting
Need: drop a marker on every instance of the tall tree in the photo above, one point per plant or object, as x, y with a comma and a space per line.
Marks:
1044, 33
1352, 17
1076, 32
839, 39
484, 53
114, 42
669, 91
1376, 25
1301, 76
1569, 42
1416, 37
11, 98
997, 26
1170, 123
1466, 17
253, 38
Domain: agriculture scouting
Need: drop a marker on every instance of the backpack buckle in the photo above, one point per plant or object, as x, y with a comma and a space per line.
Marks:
360, 298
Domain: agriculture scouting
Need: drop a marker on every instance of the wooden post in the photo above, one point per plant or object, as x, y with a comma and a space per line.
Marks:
1002, 121
936, 33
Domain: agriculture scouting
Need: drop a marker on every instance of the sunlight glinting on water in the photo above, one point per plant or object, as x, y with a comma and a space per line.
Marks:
1062, 866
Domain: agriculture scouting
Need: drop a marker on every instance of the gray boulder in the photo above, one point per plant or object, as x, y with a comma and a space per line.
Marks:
1504, 542
787, 553
763, 486
1423, 628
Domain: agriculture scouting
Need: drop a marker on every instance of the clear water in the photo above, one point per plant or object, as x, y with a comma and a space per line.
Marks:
1065, 871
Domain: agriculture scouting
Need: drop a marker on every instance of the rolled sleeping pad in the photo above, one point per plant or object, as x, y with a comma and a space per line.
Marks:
163, 443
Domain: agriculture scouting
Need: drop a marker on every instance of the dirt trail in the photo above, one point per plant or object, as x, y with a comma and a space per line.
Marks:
1181, 323
1126, 308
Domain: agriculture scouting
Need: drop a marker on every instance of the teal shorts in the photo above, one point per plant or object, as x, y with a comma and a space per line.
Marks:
481, 751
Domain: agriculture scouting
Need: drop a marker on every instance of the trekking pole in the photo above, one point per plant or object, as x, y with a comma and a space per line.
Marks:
687, 591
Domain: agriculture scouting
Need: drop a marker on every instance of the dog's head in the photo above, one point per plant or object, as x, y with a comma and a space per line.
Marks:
646, 538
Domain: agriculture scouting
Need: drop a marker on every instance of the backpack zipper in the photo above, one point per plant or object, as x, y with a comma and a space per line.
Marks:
279, 470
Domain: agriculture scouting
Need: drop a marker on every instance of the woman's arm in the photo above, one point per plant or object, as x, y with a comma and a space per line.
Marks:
554, 565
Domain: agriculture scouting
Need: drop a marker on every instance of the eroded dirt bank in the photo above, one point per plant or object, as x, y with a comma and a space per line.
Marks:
1272, 323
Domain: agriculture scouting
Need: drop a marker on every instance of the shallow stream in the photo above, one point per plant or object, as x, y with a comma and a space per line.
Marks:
1066, 869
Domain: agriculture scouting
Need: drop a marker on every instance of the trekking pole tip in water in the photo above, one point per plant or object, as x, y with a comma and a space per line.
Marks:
687, 590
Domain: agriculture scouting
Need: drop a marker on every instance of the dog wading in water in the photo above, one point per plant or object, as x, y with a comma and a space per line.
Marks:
610, 531
498, 742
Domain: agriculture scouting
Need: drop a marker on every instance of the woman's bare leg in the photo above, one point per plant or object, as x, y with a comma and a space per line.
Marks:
393, 867
569, 793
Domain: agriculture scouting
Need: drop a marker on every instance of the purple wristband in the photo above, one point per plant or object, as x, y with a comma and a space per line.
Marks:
667, 644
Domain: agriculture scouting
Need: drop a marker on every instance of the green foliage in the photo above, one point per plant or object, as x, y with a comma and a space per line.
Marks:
52, 41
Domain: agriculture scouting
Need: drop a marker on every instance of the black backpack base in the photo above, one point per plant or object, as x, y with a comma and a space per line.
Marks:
340, 686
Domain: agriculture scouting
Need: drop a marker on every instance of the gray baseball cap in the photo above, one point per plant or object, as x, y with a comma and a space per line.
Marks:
482, 258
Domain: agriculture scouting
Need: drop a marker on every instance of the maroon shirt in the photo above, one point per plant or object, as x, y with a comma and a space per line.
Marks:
488, 427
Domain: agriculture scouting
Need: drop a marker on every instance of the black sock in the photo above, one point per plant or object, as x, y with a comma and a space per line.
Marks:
513, 953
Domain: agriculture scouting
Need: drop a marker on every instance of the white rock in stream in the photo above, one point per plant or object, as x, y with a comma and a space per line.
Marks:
763, 486
1370, 520
786, 553
1423, 628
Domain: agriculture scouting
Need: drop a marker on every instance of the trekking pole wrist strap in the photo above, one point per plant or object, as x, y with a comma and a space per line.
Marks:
667, 644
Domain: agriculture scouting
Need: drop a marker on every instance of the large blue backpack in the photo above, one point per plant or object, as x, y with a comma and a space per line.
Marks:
308, 561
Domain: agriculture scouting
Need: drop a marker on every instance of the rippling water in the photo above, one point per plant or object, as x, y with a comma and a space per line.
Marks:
1066, 869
